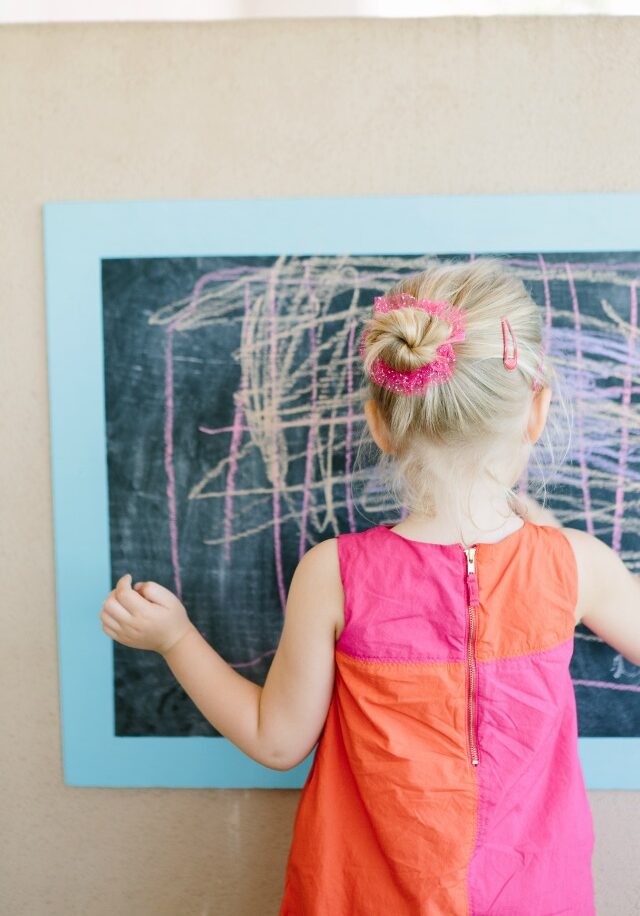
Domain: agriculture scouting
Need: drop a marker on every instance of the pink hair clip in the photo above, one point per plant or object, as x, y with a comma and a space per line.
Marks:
510, 362
440, 369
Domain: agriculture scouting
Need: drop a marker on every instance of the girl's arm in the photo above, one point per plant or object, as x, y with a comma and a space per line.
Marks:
278, 724
608, 594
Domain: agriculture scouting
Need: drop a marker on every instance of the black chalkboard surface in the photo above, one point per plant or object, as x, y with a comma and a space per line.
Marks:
233, 410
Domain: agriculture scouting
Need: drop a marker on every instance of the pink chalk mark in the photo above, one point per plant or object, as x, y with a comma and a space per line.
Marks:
168, 461
274, 446
634, 688
237, 429
348, 439
252, 661
624, 432
308, 470
168, 432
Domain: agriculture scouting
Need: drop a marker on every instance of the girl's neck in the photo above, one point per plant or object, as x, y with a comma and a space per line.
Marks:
487, 523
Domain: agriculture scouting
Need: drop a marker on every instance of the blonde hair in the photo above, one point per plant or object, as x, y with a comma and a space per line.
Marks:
454, 433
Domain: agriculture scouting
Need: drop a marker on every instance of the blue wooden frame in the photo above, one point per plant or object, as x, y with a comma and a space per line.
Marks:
77, 236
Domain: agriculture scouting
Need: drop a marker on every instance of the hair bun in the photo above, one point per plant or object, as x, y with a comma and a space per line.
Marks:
408, 341
409, 337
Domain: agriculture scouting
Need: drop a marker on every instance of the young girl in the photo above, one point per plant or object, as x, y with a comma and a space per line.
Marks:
430, 658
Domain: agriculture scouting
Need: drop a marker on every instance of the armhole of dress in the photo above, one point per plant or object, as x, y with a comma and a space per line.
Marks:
342, 562
569, 572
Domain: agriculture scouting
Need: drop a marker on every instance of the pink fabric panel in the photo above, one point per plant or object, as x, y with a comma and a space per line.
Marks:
524, 860
408, 604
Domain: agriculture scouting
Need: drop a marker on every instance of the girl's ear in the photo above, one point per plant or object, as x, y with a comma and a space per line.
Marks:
377, 427
539, 413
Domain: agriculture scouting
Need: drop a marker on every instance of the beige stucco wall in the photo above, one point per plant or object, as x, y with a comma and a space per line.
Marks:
232, 109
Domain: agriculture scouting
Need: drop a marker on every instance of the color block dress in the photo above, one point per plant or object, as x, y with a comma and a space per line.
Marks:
446, 780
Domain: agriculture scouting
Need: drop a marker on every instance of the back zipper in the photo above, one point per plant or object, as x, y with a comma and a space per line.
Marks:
472, 588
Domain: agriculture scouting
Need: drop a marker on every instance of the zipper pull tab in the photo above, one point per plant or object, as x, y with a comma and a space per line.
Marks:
471, 559
472, 581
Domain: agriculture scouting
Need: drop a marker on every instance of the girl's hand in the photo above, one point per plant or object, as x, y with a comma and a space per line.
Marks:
145, 616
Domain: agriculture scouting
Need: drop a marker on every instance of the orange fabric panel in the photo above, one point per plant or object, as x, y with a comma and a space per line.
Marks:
392, 755
510, 622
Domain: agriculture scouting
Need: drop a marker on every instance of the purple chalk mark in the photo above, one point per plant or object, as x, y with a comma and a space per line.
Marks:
546, 334
608, 685
348, 440
582, 265
274, 451
600, 463
546, 339
564, 340
610, 393
236, 437
624, 437
547, 303
583, 464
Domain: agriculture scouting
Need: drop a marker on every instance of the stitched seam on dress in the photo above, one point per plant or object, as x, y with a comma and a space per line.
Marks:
400, 661
507, 658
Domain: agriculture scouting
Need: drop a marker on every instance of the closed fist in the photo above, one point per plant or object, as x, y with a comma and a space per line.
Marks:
144, 616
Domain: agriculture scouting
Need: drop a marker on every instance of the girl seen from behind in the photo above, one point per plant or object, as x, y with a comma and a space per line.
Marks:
429, 660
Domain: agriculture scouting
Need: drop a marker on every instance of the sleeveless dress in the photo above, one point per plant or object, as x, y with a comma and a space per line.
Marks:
446, 780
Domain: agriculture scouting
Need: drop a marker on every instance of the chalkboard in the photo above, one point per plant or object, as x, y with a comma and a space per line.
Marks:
233, 410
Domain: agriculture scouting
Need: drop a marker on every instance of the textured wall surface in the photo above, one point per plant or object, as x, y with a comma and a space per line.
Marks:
238, 109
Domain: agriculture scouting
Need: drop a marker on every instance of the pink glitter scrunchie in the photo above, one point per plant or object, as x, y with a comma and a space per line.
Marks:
415, 381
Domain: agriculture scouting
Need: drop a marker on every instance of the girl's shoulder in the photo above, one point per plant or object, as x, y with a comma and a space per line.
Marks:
608, 600
592, 558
